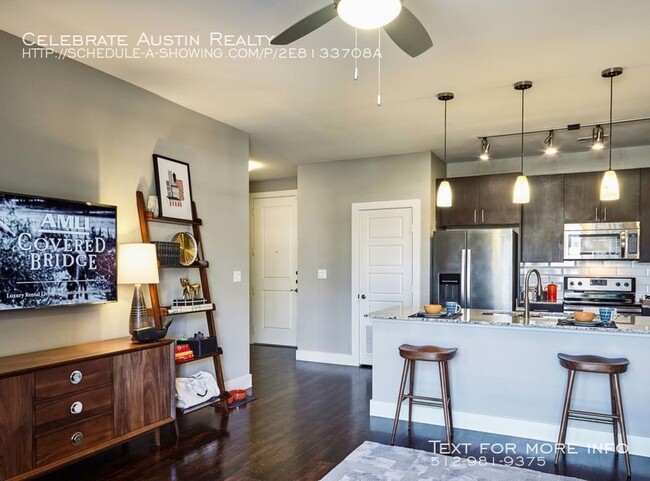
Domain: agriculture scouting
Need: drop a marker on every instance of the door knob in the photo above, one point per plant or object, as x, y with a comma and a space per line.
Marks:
294, 290
363, 296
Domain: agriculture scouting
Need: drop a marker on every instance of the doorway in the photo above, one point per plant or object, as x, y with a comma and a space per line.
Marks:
274, 268
385, 264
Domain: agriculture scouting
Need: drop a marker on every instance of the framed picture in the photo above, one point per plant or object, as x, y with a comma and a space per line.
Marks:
173, 187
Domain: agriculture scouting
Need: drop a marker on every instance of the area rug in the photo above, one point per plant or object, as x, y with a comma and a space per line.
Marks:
374, 461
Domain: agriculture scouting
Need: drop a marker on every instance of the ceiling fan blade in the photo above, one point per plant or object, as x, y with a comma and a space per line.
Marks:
306, 25
408, 33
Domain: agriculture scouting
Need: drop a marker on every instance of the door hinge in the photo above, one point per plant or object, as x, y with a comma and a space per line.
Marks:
252, 291
252, 251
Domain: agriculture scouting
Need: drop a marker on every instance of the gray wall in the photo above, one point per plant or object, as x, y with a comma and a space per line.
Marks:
326, 192
70, 131
290, 183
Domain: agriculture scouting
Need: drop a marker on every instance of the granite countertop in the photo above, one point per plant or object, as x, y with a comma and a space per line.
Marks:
627, 324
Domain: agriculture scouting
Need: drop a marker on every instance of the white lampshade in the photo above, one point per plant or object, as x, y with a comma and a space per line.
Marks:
443, 198
368, 14
521, 193
137, 264
609, 186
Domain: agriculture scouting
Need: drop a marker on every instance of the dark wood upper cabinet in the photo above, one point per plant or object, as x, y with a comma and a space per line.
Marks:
481, 200
465, 202
644, 212
496, 206
582, 198
542, 223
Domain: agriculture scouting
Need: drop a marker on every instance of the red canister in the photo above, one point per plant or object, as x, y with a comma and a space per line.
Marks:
551, 292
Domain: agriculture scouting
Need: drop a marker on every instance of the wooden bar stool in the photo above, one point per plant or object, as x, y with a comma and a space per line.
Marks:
599, 365
431, 354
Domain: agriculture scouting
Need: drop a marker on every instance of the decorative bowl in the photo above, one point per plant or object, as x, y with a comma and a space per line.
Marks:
432, 308
584, 316
238, 394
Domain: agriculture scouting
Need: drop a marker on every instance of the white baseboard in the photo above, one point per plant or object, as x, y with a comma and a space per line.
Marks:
325, 357
243, 382
547, 433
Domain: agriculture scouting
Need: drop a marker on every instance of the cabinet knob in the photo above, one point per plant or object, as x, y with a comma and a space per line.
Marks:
77, 438
75, 377
76, 407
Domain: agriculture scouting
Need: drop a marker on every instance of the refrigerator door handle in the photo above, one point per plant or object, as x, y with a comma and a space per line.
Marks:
462, 277
468, 304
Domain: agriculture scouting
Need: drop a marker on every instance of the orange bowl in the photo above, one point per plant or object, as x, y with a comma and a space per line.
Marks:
238, 394
583, 316
432, 308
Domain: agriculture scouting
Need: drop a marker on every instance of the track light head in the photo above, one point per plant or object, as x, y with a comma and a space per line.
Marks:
549, 141
598, 138
485, 149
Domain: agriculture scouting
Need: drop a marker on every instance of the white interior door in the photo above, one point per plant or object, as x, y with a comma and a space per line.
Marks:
385, 267
275, 273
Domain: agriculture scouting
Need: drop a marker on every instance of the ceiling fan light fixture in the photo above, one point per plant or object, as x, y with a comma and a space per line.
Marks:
368, 14
485, 149
549, 141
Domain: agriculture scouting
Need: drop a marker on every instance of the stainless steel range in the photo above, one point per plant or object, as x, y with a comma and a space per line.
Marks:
584, 292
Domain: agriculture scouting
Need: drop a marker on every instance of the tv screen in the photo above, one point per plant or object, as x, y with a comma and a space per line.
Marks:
56, 252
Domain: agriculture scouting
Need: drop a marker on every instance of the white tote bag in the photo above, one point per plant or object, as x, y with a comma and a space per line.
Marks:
196, 389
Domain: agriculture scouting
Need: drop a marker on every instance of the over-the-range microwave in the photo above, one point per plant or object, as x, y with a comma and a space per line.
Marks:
602, 241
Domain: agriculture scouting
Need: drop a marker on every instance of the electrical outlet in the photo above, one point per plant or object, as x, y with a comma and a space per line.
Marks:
236, 276
322, 273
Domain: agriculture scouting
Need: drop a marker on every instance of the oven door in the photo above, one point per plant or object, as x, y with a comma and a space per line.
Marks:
593, 245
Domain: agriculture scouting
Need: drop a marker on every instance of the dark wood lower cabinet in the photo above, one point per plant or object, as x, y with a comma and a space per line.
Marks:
60, 405
542, 223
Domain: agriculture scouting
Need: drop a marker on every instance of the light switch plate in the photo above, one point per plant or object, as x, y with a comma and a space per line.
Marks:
322, 273
236, 276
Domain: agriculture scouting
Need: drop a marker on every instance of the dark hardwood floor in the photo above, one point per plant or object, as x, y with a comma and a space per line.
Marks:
306, 419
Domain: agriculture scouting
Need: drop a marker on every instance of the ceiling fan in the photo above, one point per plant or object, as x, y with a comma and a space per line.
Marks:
398, 22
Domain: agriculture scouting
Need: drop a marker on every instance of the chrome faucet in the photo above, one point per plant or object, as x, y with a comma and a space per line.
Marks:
527, 287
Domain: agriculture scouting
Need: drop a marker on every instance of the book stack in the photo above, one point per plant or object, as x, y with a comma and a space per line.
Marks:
190, 306
183, 353
168, 253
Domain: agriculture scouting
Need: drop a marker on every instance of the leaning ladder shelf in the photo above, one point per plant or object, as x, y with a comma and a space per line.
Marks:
159, 312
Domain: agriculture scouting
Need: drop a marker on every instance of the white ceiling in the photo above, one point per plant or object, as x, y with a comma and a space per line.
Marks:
309, 110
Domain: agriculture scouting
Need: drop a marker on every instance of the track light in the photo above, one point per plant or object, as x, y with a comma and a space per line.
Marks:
598, 138
549, 141
609, 189
443, 197
521, 192
485, 149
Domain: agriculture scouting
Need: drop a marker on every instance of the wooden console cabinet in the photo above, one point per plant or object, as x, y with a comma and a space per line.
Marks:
60, 405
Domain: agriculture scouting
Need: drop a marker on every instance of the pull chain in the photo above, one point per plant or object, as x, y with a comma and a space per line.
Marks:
356, 54
379, 68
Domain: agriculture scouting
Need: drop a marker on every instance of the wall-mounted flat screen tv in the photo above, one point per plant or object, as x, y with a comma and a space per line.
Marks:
56, 252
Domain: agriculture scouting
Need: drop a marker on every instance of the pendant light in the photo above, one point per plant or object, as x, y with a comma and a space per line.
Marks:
521, 192
443, 197
368, 14
609, 186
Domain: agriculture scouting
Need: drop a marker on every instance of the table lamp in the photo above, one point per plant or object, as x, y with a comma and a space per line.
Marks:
137, 264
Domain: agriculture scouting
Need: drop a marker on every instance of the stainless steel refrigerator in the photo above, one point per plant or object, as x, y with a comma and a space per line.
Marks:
476, 268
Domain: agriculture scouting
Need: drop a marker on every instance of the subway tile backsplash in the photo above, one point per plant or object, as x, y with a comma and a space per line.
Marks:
555, 272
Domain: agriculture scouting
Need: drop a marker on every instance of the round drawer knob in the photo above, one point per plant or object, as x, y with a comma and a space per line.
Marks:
76, 407
77, 438
75, 377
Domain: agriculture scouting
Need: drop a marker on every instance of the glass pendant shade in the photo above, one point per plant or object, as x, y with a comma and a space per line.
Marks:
443, 198
609, 186
368, 14
521, 193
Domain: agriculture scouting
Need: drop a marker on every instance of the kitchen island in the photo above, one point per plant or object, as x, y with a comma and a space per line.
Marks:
506, 378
